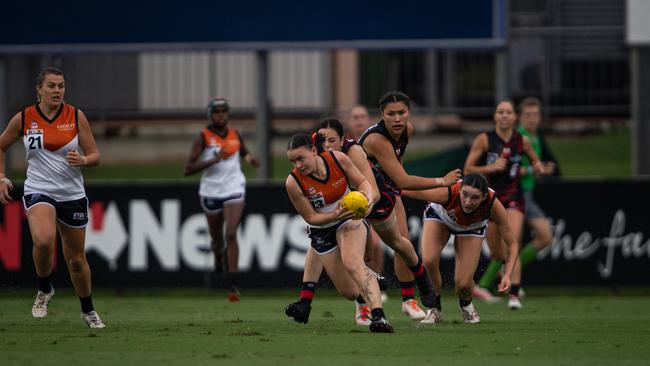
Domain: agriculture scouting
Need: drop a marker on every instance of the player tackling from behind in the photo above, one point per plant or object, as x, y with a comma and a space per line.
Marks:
462, 210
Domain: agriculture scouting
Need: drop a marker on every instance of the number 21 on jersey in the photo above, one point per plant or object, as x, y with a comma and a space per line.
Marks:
34, 139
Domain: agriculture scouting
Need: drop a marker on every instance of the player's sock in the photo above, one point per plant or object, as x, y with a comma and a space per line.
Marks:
407, 289
514, 289
86, 304
463, 302
377, 313
437, 304
45, 284
527, 254
418, 269
360, 300
307, 292
490, 274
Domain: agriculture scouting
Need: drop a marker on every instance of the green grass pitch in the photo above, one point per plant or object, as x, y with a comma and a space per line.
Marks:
198, 327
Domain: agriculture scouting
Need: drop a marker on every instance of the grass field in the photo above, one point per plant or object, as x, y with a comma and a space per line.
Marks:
198, 327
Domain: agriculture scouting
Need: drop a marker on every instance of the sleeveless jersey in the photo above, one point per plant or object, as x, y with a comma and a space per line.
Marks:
325, 194
399, 148
224, 178
505, 183
452, 214
47, 141
347, 144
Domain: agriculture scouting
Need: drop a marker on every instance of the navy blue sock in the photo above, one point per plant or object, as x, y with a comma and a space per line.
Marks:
86, 304
514, 290
45, 283
377, 313
464, 303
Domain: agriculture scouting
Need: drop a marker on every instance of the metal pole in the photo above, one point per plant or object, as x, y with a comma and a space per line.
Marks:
640, 110
4, 118
432, 80
263, 116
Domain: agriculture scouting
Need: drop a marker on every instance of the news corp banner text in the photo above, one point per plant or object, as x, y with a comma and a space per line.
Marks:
156, 235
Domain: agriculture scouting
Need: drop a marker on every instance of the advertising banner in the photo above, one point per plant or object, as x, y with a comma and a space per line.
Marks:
156, 235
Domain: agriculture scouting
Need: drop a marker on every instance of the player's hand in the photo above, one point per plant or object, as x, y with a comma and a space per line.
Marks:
549, 167
499, 165
452, 177
74, 158
252, 160
371, 204
218, 156
504, 285
538, 168
5, 187
341, 213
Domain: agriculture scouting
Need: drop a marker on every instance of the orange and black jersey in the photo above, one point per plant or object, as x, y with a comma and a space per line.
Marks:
230, 142
51, 133
324, 194
47, 142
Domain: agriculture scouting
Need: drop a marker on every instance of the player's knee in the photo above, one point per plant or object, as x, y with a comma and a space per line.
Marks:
463, 285
353, 266
430, 262
77, 263
350, 294
43, 243
231, 237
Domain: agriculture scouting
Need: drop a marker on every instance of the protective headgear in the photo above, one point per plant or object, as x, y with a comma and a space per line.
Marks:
218, 102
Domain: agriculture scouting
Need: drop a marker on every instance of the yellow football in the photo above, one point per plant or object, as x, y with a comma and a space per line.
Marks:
355, 202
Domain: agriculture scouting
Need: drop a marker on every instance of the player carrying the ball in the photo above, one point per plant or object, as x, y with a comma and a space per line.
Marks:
317, 184
329, 135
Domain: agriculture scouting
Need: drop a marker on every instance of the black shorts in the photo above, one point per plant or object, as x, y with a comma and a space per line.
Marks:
72, 213
384, 207
213, 205
323, 240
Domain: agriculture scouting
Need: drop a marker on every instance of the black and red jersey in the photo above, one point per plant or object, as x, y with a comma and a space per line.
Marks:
505, 183
399, 148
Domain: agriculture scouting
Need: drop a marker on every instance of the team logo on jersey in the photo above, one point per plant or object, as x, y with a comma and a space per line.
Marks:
65, 126
311, 190
317, 200
338, 182
34, 125
452, 215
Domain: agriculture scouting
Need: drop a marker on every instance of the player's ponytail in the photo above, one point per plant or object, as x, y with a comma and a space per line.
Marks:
476, 180
307, 140
319, 141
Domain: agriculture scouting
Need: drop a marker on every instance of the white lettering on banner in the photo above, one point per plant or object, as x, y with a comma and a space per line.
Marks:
299, 243
195, 243
255, 238
110, 240
162, 236
631, 245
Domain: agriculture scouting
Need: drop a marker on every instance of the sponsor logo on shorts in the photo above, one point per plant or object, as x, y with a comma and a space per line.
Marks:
79, 216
